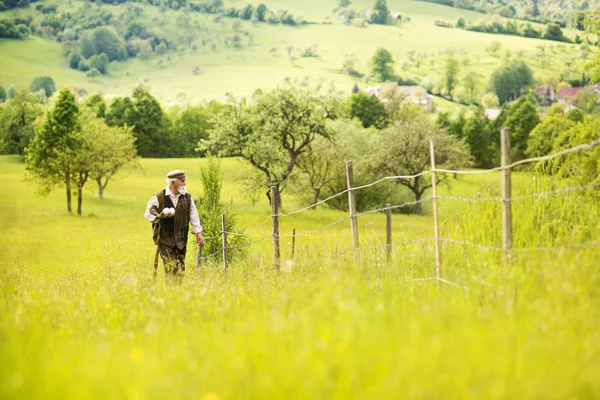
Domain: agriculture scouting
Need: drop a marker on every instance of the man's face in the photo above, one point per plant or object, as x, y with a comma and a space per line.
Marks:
178, 183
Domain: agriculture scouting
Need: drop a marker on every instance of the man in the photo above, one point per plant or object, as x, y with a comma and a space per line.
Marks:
170, 230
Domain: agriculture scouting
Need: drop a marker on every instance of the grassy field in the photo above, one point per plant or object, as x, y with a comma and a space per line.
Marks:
241, 71
80, 316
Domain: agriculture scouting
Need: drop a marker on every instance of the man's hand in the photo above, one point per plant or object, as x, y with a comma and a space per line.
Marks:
200, 239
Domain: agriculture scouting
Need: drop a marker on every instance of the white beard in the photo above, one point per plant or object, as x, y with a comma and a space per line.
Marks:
182, 190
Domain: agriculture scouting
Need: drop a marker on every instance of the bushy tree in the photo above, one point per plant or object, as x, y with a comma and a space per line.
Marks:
382, 64
274, 132
368, 110
43, 82
403, 150
192, 126
16, 122
510, 79
482, 138
102, 63
521, 119
490, 100
103, 39
381, 13
542, 138
451, 74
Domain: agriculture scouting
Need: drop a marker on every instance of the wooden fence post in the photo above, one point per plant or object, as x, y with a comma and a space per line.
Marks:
507, 232
352, 206
275, 216
224, 237
436, 226
388, 230
293, 241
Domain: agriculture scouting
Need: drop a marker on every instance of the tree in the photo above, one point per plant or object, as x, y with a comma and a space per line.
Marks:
272, 134
481, 136
521, 119
508, 80
210, 209
381, 13
51, 154
11, 92
324, 165
16, 122
382, 64
368, 110
553, 32
542, 138
97, 104
74, 59
105, 151
261, 11
403, 150
43, 82
3, 94
451, 74
93, 73
102, 63
494, 47
103, 39
192, 126
470, 82
490, 100
460, 23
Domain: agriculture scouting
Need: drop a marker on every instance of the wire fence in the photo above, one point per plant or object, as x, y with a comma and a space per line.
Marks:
506, 199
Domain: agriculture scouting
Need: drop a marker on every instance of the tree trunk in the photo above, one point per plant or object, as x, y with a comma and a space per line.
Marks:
100, 188
79, 200
68, 185
316, 198
418, 208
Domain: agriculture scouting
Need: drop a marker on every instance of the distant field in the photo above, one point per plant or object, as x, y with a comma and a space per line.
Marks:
241, 71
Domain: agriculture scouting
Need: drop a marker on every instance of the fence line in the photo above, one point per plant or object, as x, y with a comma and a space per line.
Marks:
506, 200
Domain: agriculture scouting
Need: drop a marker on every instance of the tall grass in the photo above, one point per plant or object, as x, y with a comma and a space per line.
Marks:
92, 323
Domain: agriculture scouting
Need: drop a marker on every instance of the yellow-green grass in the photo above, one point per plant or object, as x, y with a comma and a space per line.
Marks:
81, 318
241, 71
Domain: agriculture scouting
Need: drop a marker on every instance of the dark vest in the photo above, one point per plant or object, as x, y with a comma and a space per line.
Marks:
174, 230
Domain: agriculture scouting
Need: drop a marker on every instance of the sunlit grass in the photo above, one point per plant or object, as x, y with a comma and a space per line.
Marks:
80, 316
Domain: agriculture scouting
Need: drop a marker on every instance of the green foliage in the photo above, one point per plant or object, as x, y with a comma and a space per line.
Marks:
521, 118
100, 40
403, 150
51, 155
150, 125
368, 110
272, 134
11, 92
192, 126
16, 122
451, 74
210, 210
542, 138
381, 13
97, 105
553, 32
382, 64
10, 30
481, 136
510, 79
74, 59
43, 82
102, 63
3, 94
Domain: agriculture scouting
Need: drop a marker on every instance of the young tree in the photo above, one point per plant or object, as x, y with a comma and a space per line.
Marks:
97, 104
382, 64
542, 138
403, 149
483, 140
106, 151
381, 13
272, 134
470, 82
368, 110
51, 154
451, 74
490, 100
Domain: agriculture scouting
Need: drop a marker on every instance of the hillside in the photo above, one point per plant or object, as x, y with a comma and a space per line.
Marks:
261, 58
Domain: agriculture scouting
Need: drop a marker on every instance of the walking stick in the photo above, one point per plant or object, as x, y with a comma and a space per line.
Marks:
199, 258
156, 255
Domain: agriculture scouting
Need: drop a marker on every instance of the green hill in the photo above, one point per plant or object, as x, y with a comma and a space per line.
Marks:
268, 55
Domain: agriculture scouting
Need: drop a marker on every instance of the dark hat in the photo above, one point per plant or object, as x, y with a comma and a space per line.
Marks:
177, 174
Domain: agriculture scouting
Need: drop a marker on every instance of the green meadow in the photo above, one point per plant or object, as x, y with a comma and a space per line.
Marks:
81, 317
264, 63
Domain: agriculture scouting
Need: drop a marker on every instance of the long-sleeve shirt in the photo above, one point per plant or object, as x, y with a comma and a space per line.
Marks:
194, 219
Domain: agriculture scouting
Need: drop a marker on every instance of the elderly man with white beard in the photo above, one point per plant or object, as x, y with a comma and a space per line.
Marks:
171, 211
